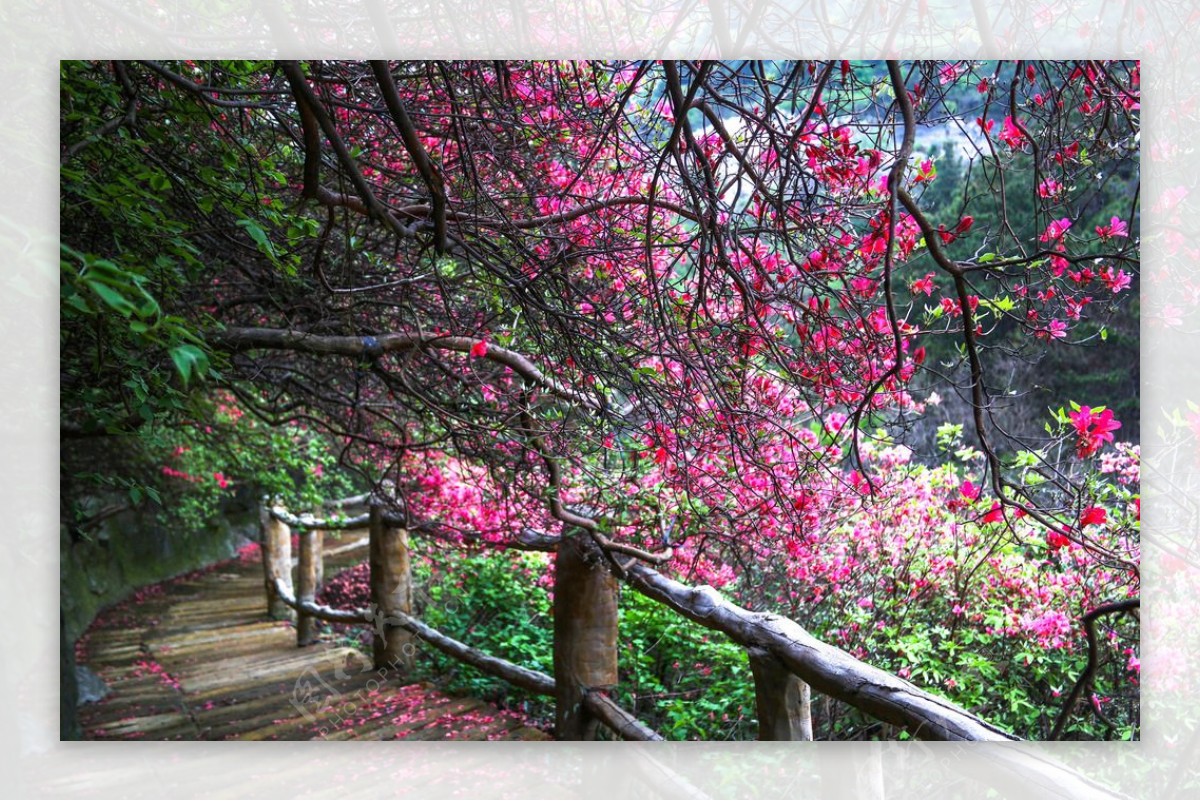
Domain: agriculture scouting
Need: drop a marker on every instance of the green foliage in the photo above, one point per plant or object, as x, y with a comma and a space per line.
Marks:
681, 679
677, 677
154, 188
204, 464
114, 328
493, 602
126, 256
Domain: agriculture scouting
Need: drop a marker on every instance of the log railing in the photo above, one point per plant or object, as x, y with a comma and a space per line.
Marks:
585, 655
785, 659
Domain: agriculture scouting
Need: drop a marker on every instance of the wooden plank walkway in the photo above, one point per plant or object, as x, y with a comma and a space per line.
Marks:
196, 658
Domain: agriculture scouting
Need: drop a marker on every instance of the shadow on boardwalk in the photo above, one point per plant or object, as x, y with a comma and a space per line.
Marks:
196, 658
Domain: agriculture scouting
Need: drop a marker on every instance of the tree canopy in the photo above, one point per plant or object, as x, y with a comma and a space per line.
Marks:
693, 309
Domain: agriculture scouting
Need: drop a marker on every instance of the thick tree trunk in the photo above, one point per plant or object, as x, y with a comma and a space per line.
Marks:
306, 590
585, 636
783, 700
277, 563
391, 593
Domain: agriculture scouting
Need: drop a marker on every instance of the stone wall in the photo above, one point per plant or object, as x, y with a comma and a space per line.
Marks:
126, 551
133, 549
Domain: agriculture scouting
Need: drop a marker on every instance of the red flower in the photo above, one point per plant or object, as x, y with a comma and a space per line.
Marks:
995, 514
480, 348
1010, 134
969, 490
1093, 429
1093, 515
1056, 541
923, 284
1056, 330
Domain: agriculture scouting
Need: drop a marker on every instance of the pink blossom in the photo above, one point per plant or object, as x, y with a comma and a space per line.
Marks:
1010, 134
1055, 230
1092, 429
923, 284
1115, 228
1049, 188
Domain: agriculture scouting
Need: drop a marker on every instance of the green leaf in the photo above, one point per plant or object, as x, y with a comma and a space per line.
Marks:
188, 358
115, 300
986, 257
259, 236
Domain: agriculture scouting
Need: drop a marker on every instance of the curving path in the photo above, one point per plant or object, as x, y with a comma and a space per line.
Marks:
195, 658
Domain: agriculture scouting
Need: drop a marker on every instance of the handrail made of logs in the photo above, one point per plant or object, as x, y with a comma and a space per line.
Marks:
604, 708
306, 520
828, 669
825, 667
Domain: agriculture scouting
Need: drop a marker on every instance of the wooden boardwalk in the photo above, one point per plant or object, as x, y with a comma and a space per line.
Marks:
196, 658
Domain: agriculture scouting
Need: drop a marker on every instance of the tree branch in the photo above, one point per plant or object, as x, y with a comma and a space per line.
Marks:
1084, 682
408, 133
284, 339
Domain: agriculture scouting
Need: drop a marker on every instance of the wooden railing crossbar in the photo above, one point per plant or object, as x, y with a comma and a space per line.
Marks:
604, 708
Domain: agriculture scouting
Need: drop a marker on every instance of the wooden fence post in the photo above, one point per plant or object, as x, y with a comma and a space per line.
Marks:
391, 591
784, 701
585, 635
277, 561
306, 578
318, 541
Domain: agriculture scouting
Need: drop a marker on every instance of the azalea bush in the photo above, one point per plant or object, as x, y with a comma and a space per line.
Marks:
980, 603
